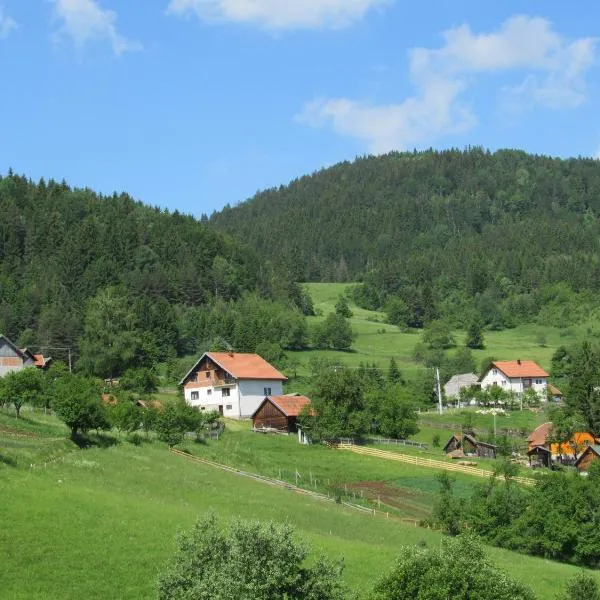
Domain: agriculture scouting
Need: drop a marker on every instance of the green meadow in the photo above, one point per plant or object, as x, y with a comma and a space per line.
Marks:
100, 523
377, 341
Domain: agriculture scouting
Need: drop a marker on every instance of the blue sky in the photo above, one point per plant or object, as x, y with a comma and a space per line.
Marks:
192, 104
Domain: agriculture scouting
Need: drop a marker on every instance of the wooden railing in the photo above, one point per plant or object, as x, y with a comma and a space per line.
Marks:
426, 462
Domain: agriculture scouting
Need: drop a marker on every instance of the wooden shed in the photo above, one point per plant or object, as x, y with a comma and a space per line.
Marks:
470, 446
589, 455
279, 413
539, 456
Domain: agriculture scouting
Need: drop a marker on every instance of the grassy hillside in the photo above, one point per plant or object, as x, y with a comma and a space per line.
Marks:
378, 342
100, 523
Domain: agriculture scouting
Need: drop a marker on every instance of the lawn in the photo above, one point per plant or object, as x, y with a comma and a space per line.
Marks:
99, 523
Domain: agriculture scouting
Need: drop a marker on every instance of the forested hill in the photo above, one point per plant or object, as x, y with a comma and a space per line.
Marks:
449, 208
70, 258
503, 223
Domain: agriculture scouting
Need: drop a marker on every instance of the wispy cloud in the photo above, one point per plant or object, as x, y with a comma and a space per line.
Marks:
85, 21
553, 71
279, 14
7, 24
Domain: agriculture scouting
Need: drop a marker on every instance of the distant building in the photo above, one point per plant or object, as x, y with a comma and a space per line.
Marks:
280, 413
516, 376
232, 383
13, 358
545, 452
458, 382
466, 445
589, 455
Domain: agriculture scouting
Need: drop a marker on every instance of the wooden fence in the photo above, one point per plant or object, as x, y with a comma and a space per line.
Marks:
426, 462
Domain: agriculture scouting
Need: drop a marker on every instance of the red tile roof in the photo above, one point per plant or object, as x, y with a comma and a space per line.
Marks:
539, 435
246, 366
520, 368
291, 405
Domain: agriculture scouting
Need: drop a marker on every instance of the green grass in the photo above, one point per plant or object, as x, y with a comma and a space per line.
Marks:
100, 523
378, 342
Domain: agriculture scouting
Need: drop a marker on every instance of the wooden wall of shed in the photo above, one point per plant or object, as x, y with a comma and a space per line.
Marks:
270, 416
587, 460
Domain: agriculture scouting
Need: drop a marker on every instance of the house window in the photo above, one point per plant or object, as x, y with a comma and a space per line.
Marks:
503, 382
538, 382
225, 392
495, 371
228, 406
208, 392
194, 377
195, 395
267, 391
207, 374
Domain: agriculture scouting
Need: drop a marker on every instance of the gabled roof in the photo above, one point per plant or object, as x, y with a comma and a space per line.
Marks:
595, 449
554, 390
540, 434
519, 368
240, 366
17, 350
291, 405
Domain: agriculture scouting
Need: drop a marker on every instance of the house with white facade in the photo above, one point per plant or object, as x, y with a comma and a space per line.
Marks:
516, 376
232, 383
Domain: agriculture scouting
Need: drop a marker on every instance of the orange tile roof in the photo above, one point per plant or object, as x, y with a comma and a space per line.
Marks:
246, 366
520, 368
290, 405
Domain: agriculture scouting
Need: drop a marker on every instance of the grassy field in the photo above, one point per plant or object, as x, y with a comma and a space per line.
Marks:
378, 342
99, 523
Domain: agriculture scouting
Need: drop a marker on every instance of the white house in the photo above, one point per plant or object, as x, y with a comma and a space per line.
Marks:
516, 376
232, 383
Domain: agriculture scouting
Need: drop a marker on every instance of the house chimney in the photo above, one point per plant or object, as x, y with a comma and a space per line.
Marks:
518, 361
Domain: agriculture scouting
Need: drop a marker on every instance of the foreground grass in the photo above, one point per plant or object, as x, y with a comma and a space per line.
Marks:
100, 523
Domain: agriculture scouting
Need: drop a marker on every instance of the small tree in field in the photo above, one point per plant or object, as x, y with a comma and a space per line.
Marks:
24, 387
77, 402
459, 570
581, 586
246, 561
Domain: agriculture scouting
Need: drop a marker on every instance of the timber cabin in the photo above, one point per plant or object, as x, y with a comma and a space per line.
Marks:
279, 413
467, 445
13, 358
232, 383
589, 455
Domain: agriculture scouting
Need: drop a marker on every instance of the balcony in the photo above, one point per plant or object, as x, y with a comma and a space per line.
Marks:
224, 382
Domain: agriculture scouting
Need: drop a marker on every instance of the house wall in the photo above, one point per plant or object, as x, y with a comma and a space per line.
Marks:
252, 393
9, 359
497, 377
270, 416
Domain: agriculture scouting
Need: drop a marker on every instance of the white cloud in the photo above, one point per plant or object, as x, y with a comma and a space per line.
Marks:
552, 70
279, 14
85, 20
7, 24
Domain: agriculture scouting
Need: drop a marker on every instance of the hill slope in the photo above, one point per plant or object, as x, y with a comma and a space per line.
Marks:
502, 225
60, 246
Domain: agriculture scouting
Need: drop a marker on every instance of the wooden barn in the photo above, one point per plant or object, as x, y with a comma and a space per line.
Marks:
589, 455
469, 446
539, 456
279, 413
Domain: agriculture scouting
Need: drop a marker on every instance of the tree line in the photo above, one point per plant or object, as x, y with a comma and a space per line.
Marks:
503, 238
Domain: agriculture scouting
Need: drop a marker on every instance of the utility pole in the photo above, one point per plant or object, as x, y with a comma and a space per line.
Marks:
63, 349
439, 390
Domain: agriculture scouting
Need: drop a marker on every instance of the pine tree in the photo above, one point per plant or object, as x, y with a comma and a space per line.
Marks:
394, 374
474, 337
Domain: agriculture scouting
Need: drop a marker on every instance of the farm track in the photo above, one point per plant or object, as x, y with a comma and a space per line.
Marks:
425, 462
